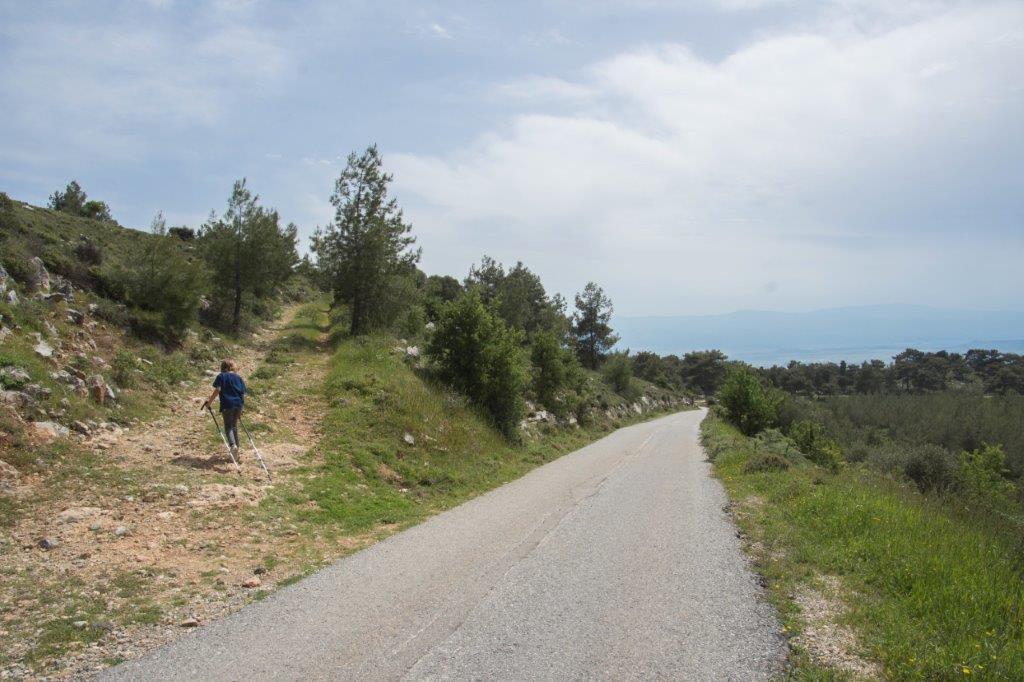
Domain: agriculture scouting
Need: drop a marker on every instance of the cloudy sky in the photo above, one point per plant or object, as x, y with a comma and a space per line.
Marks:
691, 156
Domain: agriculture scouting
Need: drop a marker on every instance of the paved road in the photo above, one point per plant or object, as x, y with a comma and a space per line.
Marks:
614, 562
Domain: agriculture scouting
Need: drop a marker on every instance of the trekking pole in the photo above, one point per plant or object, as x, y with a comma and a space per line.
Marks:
223, 437
259, 456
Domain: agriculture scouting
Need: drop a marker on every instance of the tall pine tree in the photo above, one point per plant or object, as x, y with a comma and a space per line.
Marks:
249, 253
590, 329
366, 250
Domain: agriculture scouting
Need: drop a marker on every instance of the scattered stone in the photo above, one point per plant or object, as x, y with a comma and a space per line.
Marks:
121, 531
9, 476
100, 390
50, 329
49, 543
76, 317
12, 297
80, 427
189, 623
42, 348
408, 438
146, 362
81, 624
251, 582
181, 489
3, 279
4, 333
15, 375
95, 526
165, 515
15, 398
50, 430
412, 353
76, 514
38, 392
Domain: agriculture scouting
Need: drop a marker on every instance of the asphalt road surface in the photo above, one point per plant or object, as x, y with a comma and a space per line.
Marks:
614, 562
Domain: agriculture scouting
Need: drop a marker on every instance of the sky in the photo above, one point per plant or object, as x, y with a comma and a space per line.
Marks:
690, 156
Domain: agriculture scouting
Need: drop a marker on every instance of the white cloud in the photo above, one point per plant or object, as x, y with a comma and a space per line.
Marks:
93, 84
440, 31
832, 163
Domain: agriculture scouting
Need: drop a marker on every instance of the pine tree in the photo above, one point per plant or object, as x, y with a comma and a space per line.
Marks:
366, 250
590, 328
248, 251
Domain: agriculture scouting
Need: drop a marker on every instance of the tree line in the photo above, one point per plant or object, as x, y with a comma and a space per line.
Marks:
912, 371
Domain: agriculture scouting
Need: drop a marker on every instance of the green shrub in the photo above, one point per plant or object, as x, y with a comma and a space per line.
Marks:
811, 440
981, 477
123, 368
748, 403
556, 374
164, 286
481, 357
617, 372
766, 461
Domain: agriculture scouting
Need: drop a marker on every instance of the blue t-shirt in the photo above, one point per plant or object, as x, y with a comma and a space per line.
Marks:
232, 390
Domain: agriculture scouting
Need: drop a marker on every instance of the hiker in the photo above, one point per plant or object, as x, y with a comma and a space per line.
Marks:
231, 389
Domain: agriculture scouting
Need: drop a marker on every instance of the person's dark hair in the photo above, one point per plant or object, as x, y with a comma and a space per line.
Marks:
228, 366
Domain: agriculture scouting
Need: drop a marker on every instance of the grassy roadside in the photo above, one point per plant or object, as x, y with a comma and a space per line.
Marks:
396, 448
870, 578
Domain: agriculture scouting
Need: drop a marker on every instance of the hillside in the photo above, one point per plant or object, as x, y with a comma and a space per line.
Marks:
122, 522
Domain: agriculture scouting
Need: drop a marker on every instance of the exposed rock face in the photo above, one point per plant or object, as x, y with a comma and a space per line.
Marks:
39, 283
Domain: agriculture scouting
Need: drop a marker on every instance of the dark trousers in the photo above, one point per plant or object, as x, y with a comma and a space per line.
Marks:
231, 416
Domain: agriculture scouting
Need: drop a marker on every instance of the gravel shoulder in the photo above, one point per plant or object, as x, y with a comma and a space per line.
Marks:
616, 561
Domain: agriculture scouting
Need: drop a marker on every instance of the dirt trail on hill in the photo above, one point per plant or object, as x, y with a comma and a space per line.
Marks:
169, 534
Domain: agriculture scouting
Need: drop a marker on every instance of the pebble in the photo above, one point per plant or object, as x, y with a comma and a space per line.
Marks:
121, 531
251, 582
49, 543
189, 623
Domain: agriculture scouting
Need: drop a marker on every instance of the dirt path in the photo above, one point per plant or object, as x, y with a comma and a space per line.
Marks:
161, 531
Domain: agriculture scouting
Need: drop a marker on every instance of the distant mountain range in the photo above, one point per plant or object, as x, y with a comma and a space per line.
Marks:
853, 334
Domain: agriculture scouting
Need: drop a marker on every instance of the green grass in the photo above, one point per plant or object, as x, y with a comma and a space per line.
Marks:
367, 476
930, 594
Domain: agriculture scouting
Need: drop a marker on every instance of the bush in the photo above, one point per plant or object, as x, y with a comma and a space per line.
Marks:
480, 356
618, 373
766, 461
748, 403
811, 440
929, 466
185, 234
165, 287
556, 374
123, 368
89, 253
981, 477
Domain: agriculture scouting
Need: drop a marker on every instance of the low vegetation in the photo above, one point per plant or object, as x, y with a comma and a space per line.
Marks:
917, 588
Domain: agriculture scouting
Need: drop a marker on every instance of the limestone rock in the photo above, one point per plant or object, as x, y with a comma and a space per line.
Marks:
15, 398
50, 430
12, 297
15, 375
76, 514
409, 440
100, 390
42, 348
39, 282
